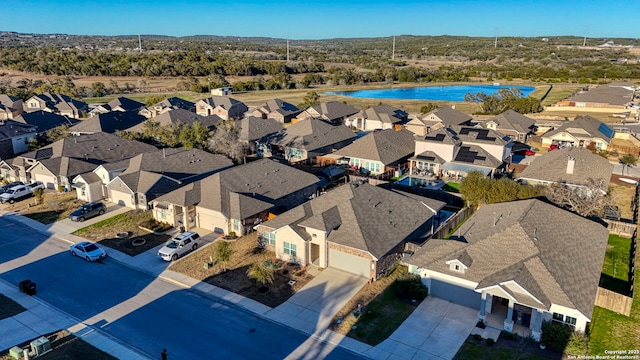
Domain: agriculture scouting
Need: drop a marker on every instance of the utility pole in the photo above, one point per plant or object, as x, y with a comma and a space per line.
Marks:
393, 51
139, 43
287, 50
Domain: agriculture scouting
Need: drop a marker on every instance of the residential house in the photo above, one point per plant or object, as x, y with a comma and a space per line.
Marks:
44, 121
109, 122
510, 261
222, 91
10, 106
618, 95
56, 103
512, 124
305, 140
14, 138
377, 117
583, 131
58, 164
253, 129
452, 153
156, 173
236, 199
117, 104
358, 228
377, 152
223, 106
277, 109
441, 117
334, 112
576, 167
178, 117
172, 103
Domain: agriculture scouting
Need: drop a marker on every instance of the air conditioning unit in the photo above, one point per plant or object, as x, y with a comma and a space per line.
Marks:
40, 346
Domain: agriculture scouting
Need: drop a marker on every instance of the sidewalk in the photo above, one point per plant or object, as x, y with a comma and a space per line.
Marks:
149, 263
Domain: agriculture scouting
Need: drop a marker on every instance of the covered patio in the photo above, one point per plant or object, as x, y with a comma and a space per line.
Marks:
505, 313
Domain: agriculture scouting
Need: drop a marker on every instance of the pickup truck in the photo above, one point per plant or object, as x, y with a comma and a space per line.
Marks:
19, 192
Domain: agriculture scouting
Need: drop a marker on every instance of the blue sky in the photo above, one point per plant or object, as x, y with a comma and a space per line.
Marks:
325, 19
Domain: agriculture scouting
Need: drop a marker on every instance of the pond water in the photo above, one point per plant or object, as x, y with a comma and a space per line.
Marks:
454, 93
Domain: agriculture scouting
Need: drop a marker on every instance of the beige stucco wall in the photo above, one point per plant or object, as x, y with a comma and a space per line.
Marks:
445, 151
286, 234
212, 220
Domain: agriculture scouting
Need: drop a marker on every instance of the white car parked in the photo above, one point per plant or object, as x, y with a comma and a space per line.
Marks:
179, 245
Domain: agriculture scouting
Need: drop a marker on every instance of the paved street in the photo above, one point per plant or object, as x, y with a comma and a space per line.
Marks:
142, 311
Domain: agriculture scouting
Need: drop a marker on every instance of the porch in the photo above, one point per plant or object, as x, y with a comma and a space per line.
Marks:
521, 319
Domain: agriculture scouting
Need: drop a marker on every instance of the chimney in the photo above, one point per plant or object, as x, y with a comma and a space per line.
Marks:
571, 163
453, 107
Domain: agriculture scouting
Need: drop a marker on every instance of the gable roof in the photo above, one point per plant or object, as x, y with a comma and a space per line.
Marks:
283, 107
44, 120
552, 167
387, 146
447, 115
10, 129
332, 110
311, 134
179, 116
243, 191
383, 113
254, 128
511, 120
554, 254
225, 102
108, 122
613, 95
125, 103
65, 166
584, 127
60, 102
362, 216
468, 134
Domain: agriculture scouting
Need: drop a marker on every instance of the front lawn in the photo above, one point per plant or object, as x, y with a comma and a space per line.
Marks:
245, 252
382, 311
56, 206
9, 308
106, 233
452, 187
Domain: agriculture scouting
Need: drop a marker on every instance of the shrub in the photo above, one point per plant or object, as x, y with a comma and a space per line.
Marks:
578, 344
477, 337
507, 335
490, 341
409, 286
556, 336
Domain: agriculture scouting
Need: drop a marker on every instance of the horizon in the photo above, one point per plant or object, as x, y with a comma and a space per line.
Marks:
306, 20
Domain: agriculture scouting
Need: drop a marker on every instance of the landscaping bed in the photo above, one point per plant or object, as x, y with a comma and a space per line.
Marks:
383, 311
235, 279
66, 346
9, 308
511, 347
122, 232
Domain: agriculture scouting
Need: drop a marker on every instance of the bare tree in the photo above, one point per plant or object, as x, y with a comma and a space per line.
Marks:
587, 200
226, 140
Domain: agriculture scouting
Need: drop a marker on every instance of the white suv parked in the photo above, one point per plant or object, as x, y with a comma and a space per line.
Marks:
179, 245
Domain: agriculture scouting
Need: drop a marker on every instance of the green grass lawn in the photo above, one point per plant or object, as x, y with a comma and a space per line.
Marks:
117, 223
471, 351
616, 260
9, 308
452, 186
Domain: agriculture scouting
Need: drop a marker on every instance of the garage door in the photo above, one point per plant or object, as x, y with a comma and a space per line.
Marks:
48, 181
350, 263
455, 294
212, 221
120, 198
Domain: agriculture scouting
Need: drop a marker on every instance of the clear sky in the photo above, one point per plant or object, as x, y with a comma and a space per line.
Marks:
305, 19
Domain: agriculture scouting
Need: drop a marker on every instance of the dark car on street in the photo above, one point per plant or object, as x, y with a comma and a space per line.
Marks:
88, 211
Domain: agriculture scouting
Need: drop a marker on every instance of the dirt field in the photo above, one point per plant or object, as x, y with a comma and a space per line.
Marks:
56, 206
235, 278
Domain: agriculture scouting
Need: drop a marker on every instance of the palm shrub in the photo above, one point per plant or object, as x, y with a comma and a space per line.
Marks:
260, 273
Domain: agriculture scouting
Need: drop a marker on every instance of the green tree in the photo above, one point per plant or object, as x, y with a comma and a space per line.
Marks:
57, 133
34, 144
627, 161
222, 253
195, 136
474, 188
311, 99
99, 89
428, 107
260, 273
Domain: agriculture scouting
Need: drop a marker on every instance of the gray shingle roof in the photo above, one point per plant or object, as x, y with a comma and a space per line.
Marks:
613, 95
554, 254
384, 113
447, 115
179, 116
311, 134
279, 105
108, 122
44, 120
225, 102
332, 110
254, 128
10, 129
387, 146
552, 167
125, 103
362, 216
585, 127
511, 120
260, 183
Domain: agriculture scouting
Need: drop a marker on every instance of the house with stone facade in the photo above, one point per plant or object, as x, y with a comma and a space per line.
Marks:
358, 228
439, 118
56, 103
277, 109
168, 104
223, 106
512, 124
334, 112
377, 117
236, 199
10, 106
518, 263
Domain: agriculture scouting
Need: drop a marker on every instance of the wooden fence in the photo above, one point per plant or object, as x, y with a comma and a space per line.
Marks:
370, 180
634, 150
613, 301
453, 200
621, 228
453, 222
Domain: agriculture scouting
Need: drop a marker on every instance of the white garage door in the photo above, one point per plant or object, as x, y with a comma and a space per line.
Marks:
120, 198
350, 263
212, 221
48, 181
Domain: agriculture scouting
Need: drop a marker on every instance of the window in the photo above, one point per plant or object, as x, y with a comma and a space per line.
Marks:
558, 317
570, 320
269, 238
236, 225
457, 267
163, 213
290, 249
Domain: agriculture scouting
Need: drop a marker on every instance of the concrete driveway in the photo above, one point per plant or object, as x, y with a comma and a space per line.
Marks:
312, 308
67, 226
435, 330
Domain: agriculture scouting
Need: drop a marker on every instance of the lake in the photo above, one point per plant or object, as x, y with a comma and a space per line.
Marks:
453, 93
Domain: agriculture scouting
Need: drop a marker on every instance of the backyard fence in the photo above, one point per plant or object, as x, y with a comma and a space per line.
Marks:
452, 200
453, 222
621, 228
624, 149
613, 301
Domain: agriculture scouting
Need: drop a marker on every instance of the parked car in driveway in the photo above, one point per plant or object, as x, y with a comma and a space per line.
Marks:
4, 188
179, 245
20, 192
88, 250
88, 211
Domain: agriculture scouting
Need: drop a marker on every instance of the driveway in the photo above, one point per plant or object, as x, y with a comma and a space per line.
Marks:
66, 226
435, 330
312, 308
